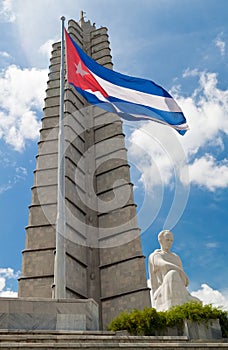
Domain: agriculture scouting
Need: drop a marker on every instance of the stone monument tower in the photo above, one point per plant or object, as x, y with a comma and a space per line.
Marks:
103, 256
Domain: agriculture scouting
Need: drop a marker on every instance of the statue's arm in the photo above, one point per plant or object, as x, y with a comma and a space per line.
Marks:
183, 274
158, 262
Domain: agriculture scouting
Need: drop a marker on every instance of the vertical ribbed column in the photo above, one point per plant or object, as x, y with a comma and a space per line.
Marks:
122, 267
38, 255
104, 259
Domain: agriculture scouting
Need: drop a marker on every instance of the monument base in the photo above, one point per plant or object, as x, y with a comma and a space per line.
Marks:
49, 314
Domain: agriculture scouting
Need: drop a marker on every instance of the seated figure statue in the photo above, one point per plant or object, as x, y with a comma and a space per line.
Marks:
168, 279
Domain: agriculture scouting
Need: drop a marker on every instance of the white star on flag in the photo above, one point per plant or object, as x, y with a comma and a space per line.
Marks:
79, 69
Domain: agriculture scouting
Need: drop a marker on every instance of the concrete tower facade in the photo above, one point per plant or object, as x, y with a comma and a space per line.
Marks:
103, 253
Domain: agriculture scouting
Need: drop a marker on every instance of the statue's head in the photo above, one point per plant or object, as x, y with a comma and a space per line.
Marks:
165, 239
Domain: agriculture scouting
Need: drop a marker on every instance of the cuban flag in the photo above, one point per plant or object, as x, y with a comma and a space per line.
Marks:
132, 98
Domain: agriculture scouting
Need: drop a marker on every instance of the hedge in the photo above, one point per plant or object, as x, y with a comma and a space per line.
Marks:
150, 322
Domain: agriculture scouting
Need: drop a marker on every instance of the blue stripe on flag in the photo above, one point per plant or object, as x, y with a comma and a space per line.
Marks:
117, 78
127, 110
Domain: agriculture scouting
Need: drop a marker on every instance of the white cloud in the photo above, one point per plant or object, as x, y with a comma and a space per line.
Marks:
2, 283
46, 48
206, 112
161, 153
22, 94
220, 44
20, 174
7, 274
8, 294
4, 54
208, 173
211, 245
6, 11
5, 187
212, 296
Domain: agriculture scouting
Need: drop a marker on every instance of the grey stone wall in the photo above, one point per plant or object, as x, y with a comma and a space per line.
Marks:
104, 259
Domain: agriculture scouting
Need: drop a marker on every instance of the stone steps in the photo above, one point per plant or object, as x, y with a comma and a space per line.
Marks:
64, 340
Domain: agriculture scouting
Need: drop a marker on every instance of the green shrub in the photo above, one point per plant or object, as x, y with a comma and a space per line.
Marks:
149, 321
144, 322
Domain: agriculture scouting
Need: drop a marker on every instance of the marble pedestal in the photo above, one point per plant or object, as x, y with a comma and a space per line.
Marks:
48, 314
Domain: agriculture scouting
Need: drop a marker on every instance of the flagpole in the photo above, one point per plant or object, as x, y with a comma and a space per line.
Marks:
60, 272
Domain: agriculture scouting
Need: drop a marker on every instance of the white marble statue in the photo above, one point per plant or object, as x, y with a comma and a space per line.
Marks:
168, 279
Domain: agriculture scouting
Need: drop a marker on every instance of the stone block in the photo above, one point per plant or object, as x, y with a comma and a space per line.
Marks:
45, 177
76, 193
74, 123
50, 119
52, 101
56, 47
98, 39
122, 251
118, 218
113, 178
109, 146
72, 137
75, 170
100, 46
36, 287
205, 331
49, 134
112, 307
104, 60
102, 117
75, 196
56, 59
42, 215
54, 76
56, 52
44, 195
124, 273
74, 213
76, 272
47, 161
109, 161
108, 65
53, 83
103, 53
40, 237
98, 32
38, 262
73, 248
114, 199
122, 194
52, 91
76, 233
72, 97
114, 238
50, 314
54, 67
48, 146
107, 131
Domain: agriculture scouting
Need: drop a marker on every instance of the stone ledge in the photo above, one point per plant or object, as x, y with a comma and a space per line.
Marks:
96, 340
48, 314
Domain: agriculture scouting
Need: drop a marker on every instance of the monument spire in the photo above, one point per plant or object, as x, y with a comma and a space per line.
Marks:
102, 248
82, 13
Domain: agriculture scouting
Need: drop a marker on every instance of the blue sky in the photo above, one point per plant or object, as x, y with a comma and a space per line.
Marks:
179, 44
